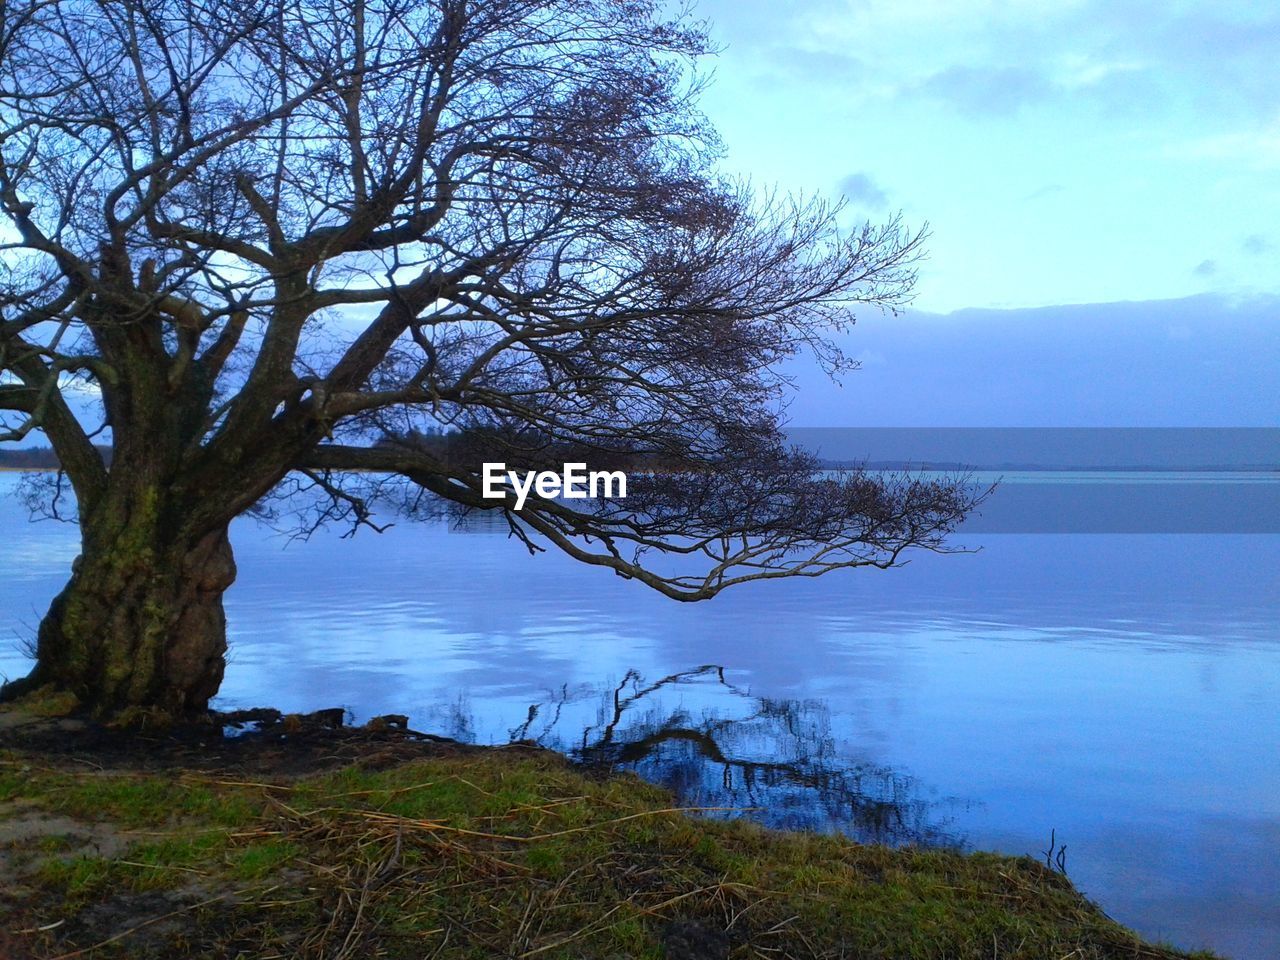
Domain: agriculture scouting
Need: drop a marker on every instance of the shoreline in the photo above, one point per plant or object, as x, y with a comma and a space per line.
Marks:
309, 838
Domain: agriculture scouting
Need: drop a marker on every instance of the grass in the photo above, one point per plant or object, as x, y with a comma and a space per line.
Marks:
500, 854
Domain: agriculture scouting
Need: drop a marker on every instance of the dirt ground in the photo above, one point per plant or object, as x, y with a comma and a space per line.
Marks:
262, 741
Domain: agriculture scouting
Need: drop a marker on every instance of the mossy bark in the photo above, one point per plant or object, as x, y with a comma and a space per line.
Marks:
140, 627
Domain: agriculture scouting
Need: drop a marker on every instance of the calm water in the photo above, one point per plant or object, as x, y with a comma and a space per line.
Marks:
1120, 690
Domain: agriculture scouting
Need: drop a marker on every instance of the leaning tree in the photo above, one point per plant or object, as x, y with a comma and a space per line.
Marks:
254, 247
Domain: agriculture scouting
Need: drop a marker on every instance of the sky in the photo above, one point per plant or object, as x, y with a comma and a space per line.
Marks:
1080, 151
1101, 179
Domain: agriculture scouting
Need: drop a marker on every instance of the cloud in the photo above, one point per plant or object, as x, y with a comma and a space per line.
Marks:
1084, 71
1221, 55
1256, 244
1002, 91
1199, 361
803, 64
1256, 147
1117, 88
864, 191
1212, 58
1206, 268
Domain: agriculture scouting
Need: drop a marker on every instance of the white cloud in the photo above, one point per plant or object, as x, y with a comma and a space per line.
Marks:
1082, 70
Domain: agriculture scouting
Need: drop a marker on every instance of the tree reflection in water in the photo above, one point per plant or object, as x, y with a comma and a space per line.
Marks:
714, 744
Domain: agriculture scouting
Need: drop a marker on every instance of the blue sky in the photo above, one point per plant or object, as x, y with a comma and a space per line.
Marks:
1123, 155
1067, 152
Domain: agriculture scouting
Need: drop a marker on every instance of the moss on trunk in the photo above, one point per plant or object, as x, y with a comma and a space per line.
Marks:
140, 626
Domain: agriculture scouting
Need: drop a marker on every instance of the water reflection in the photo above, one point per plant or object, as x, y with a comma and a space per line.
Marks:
715, 745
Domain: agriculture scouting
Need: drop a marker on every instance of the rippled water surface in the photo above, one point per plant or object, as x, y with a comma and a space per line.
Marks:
1122, 691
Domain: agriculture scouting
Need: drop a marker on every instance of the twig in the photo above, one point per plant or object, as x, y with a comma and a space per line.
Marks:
146, 923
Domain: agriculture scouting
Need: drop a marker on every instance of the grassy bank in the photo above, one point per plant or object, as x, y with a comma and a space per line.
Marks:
428, 851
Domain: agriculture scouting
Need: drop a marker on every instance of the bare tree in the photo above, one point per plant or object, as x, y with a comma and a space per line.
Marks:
272, 237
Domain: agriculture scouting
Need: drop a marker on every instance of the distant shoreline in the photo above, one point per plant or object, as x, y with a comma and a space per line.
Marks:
954, 467
906, 467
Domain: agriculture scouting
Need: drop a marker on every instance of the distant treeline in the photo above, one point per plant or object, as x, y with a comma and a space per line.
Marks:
524, 450
471, 448
530, 450
29, 458
37, 458
948, 466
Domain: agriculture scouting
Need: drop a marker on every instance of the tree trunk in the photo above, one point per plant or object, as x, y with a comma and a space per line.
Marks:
140, 626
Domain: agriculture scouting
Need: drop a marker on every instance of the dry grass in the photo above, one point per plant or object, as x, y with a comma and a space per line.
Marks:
496, 855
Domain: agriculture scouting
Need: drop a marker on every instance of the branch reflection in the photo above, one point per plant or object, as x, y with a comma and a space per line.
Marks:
714, 744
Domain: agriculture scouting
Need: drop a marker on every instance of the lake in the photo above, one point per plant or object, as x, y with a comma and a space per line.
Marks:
1119, 691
